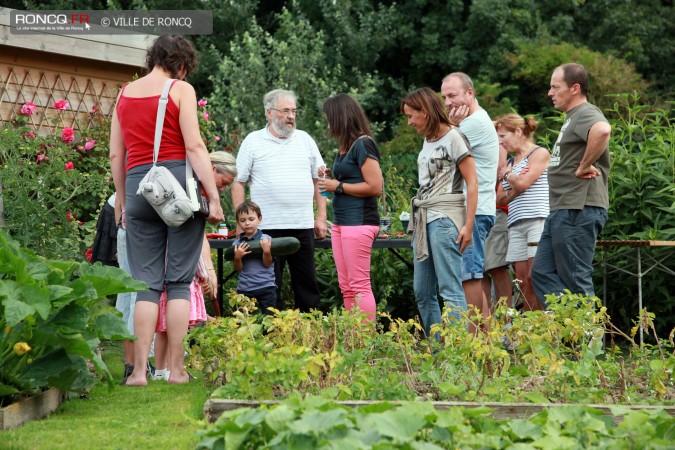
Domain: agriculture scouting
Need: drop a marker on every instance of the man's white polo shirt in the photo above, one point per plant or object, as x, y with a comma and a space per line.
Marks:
281, 173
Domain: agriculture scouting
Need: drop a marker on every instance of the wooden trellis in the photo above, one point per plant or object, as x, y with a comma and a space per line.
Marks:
85, 96
86, 71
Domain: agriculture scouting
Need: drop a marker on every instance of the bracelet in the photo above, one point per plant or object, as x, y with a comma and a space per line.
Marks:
506, 176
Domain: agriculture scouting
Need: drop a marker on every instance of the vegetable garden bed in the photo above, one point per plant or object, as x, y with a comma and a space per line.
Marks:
31, 408
215, 407
532, 358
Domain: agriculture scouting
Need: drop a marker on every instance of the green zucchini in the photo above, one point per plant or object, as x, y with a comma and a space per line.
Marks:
280, 247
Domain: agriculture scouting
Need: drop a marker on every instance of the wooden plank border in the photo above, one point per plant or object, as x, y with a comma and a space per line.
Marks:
31, 408
214, 407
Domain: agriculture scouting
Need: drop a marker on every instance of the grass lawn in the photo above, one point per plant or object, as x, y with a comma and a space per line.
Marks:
159, 416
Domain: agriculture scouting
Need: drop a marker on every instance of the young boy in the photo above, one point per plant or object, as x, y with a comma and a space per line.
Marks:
256, 274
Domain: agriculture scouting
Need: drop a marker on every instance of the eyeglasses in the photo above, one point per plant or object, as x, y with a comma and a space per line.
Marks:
287, 111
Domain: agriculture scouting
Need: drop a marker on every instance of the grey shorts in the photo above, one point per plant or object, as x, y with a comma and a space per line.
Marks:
160, 255
522, 233
497, 243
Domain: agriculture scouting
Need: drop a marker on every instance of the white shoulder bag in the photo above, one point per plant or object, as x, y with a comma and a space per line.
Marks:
159, 187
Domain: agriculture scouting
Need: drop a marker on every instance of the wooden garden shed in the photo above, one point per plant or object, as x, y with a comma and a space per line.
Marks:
86, 71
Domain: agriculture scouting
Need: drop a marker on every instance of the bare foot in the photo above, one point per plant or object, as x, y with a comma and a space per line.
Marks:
136, 381
178, 378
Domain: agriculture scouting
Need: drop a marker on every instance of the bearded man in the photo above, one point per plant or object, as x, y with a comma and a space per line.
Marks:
281, 163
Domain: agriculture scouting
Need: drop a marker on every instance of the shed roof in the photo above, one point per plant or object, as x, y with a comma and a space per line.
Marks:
129, 50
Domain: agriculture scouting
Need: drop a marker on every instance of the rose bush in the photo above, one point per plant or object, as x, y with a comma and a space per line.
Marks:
44, 177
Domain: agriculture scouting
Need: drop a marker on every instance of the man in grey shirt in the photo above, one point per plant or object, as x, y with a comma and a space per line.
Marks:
578, 195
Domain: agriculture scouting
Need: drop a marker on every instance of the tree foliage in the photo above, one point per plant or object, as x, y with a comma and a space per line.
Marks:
294, 58
533, 63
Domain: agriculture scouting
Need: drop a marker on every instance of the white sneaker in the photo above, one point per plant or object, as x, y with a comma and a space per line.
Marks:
161, 375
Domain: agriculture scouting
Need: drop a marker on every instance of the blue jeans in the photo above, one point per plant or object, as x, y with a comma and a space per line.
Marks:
564, 258
473, 259
440, 274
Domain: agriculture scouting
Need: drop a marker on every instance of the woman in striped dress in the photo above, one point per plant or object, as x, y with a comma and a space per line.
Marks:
525, 188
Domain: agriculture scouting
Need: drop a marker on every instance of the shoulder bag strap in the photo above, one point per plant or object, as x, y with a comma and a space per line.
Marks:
159, 124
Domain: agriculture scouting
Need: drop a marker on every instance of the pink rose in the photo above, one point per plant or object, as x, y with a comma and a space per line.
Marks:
89, 144
217, 138
61, 105
41, 157
70, 165
28, 108
67, 135
30, 134
202, 103
205, 115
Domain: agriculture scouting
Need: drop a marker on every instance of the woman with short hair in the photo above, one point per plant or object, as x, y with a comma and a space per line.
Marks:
161, 256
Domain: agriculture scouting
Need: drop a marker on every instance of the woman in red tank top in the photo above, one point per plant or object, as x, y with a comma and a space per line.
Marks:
160, 256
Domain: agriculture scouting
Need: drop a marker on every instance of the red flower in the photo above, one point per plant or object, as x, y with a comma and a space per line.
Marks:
61, 105
70, 165
202, 102
40, 158
70, 216
88, 254
28, 108
67, 135
205, 115
89, 144
30, 134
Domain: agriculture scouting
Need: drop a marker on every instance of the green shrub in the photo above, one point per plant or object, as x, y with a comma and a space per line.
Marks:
533, 63
48, 189
52, 319
642, 204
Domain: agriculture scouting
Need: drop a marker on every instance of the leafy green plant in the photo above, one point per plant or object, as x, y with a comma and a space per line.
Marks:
52, 319
319, 423
536, 357
642, 203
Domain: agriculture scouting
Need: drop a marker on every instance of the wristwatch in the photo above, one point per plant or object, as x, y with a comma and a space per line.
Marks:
339, 189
